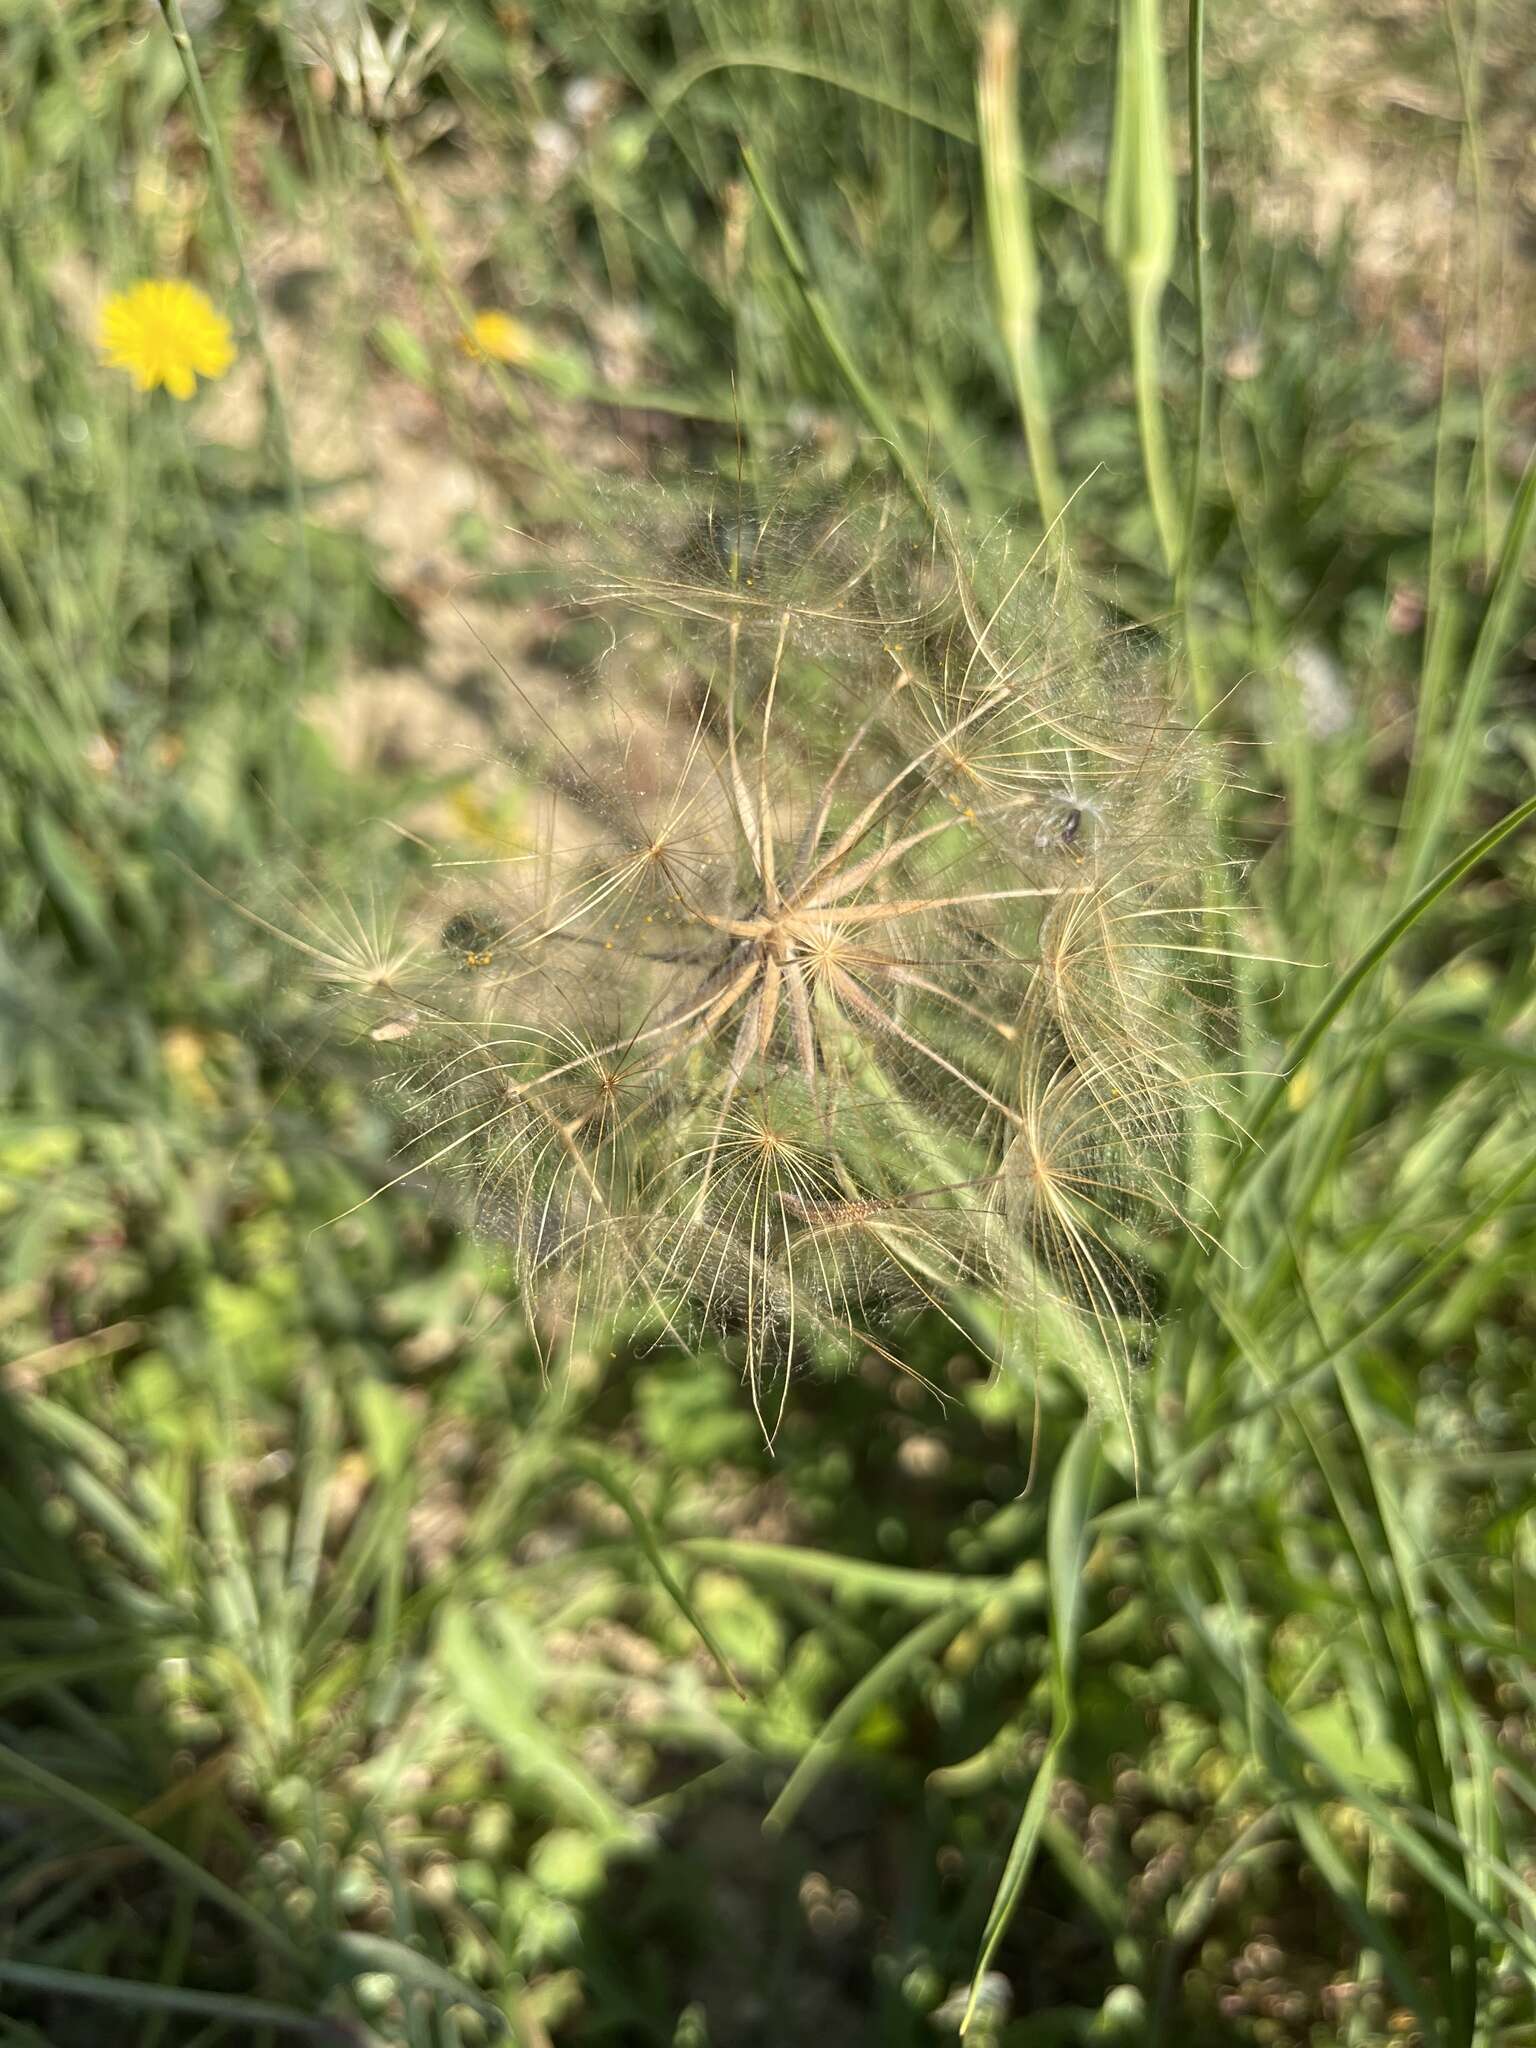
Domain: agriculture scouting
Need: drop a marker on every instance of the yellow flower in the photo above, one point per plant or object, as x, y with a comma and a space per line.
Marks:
165, 332
498, 335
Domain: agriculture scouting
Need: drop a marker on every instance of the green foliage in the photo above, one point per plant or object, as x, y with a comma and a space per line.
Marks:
381, 1660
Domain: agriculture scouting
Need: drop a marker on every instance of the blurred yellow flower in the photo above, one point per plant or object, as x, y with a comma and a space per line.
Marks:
165, 332
496, 335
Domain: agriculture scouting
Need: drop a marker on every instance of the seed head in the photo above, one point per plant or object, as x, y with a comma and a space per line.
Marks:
829, 975
378, 78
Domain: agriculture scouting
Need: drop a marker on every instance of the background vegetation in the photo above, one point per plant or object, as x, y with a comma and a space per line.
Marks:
351, 1675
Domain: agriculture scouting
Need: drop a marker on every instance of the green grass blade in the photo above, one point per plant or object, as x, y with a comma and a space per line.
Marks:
359, 1954
793, 65
1066, 1546
1298, 1378
1443, 789
864, 394
169, 1998
845, 1718
858, 1578
597, 1468
182, 1868
1360, 971
500, 1693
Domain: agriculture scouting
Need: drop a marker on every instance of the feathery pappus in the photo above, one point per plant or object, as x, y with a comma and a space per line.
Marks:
837, 966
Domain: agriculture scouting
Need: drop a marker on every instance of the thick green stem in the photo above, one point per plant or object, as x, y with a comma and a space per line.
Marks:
1146, 361
1188, 557
1015, 274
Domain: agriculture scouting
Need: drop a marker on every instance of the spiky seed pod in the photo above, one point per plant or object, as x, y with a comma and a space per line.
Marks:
830, 971
379, 78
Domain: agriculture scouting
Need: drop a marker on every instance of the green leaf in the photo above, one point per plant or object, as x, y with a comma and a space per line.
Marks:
1066, 1550
167, 1998
359, 1954
598, 1468
843, 1723
71, 888
501, 1690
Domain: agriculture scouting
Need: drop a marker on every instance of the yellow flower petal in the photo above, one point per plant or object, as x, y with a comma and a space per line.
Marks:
496, 335
164, 332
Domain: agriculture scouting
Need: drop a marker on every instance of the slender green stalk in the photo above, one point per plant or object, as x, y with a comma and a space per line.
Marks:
856, 1578
1188, 561
1068, 1540
1145, 297
926, 1639
167, 1998
1441, 790
224, 193
1216, 890
1015, 273
866, 396
1466, 54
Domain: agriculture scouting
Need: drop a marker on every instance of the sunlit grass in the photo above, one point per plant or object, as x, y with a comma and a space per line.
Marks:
863, 969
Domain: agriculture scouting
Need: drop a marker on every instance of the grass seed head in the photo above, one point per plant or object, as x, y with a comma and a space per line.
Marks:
830, 973
378, 77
